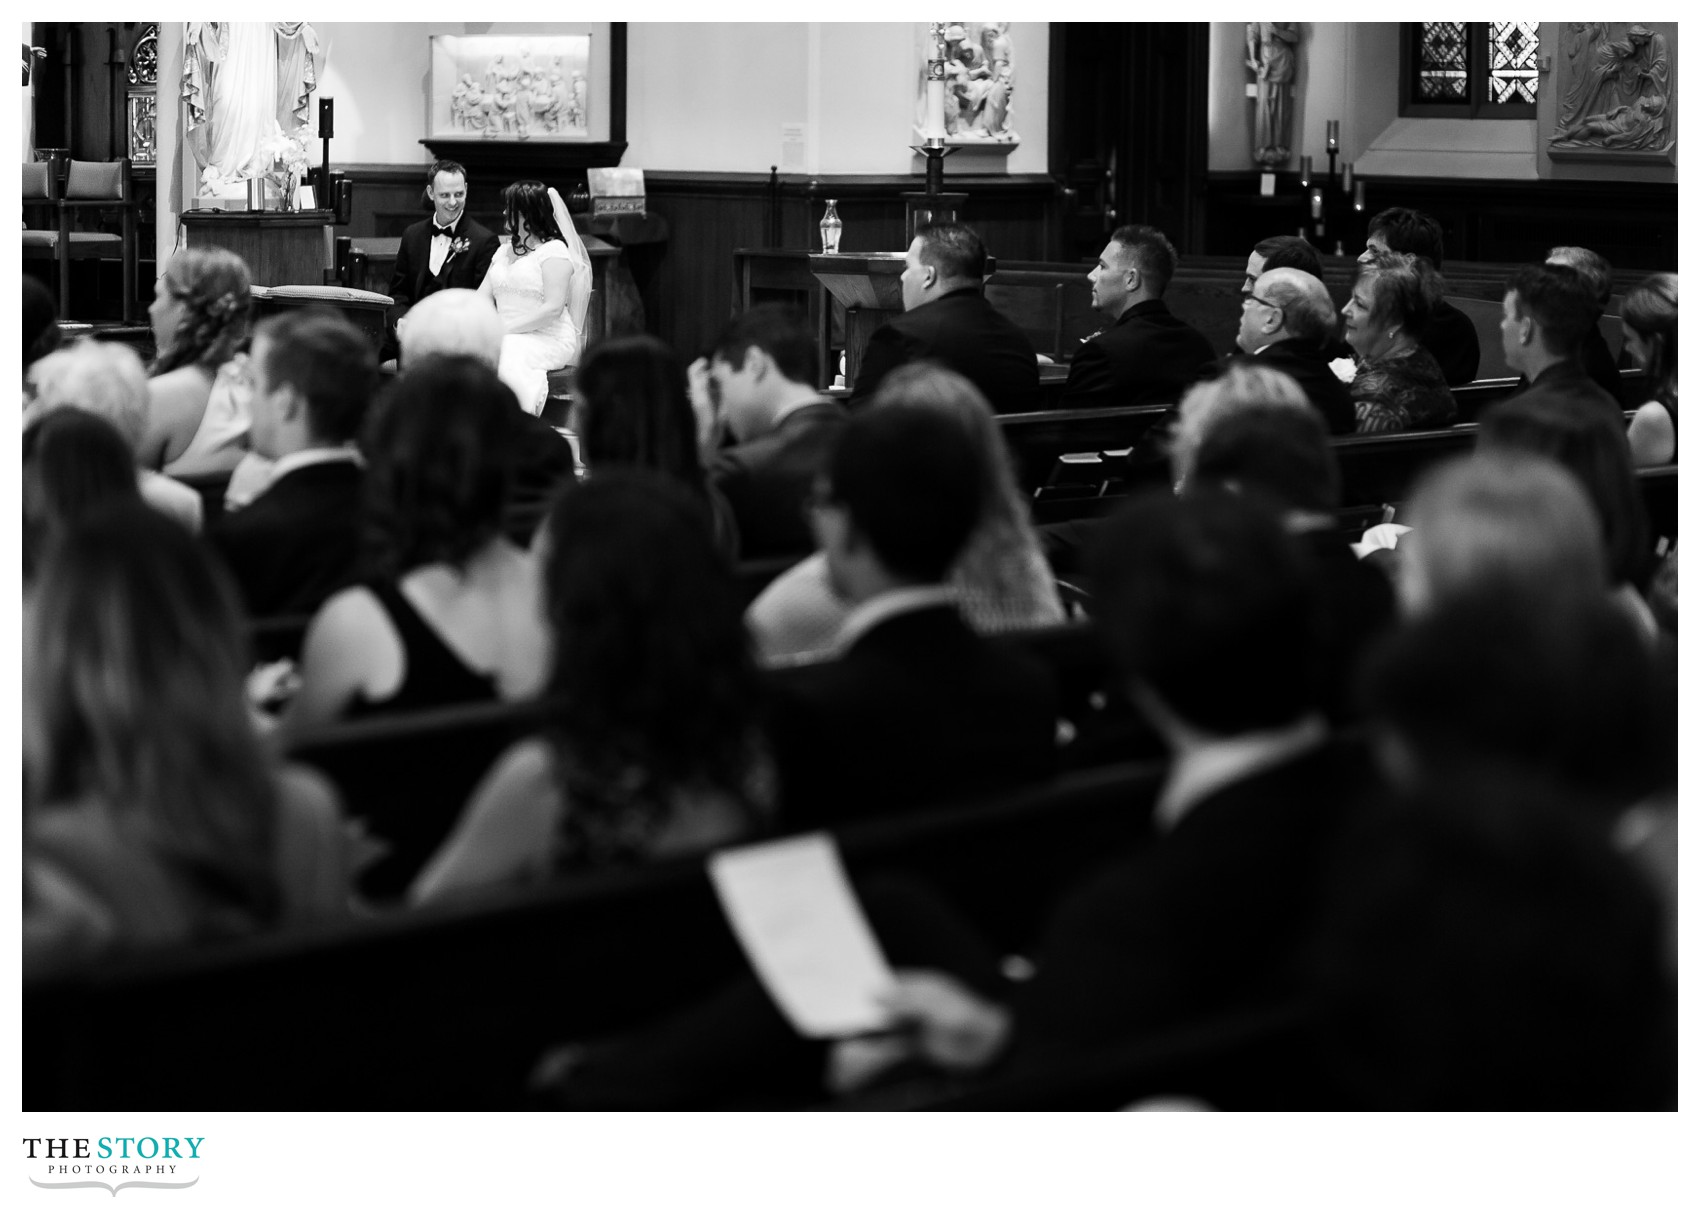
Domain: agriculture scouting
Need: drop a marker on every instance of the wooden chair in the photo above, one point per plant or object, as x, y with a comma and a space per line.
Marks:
89, 185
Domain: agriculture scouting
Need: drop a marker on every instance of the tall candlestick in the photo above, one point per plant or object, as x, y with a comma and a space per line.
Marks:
1316, 204
935, 110
1358, 196
1346, 178
1304, 171
1333, 134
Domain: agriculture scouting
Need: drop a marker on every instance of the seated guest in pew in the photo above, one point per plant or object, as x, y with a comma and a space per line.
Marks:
917, 710
1281, 252
654, 747
1592, 447
312, 375
152, 813
197, 408
40, 322
449, 251
1398, 384
1482, 947
1649, 338
946, 318
107, 378
459, 321
1001, 580
1146, 354
74, 463
1598, 360
1281, 456
1549, 312
761, 377
1286, 323
632, 408
448, 612
1451, 335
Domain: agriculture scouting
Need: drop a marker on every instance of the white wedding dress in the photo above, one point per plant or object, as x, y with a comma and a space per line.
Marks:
516, 285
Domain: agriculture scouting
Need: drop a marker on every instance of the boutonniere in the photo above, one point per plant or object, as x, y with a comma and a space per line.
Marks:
1089, 336
458, 245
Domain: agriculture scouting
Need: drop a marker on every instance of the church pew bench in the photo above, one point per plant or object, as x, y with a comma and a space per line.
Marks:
447, 1006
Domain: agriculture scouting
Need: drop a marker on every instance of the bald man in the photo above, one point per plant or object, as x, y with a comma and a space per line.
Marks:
1286, 321
456, 321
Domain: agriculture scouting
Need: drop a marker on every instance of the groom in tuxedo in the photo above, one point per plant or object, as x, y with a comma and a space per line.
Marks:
448, 249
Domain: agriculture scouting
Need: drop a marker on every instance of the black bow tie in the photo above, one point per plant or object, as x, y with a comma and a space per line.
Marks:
438, 229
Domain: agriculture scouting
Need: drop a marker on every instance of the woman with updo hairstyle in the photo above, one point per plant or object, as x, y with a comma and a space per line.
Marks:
197, 406
447, 610
152, 812
1649, 337
652, 745
632, 408
1398, 384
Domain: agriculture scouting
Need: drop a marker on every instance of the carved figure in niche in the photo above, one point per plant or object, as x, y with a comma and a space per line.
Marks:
1581, 45
979, 82
581, 99
1272, 55
545, 105
464, 103
1620, 97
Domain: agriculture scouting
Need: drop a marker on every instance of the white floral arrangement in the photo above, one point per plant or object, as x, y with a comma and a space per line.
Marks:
282, 153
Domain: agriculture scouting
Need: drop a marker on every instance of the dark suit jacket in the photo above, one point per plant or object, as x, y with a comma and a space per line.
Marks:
1207, 919
919, 711
296, 543
1307, 362
541, 463
966, 334
1568, 381
1452, 339
1599, 364
1148, 356
767, 480
413, 279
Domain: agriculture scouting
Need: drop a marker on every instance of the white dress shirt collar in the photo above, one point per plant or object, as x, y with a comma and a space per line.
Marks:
866, 616
1205, 769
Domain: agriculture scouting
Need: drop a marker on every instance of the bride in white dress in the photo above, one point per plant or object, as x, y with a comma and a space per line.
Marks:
539, 281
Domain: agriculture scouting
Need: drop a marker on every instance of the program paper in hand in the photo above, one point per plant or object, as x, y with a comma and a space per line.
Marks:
801, 927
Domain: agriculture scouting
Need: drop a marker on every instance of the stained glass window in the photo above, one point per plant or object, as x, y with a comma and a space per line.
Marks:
1512, 46
1443, 67
1470, 69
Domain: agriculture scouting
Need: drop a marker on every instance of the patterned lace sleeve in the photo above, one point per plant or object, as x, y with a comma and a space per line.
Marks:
1377, 418
1375, 400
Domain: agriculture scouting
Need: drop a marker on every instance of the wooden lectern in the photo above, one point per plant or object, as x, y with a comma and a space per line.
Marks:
868, 286
282, 248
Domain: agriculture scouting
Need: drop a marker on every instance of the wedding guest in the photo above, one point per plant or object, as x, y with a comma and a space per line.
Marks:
153, 815
1286, 324
1649, 338
1598, 361
653, 744
197, 414
1549, 311
1000, 579
1398, 384
74, 463
108, 379
1451, 335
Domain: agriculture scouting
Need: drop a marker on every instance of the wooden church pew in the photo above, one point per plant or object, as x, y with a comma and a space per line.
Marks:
446, 1007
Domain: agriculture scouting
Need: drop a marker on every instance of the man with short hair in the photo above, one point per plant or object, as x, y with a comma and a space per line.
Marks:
454, 321
917, 709
1451, 335
1281, 252
1548, 313
946, 318
289, 549
1286, 323
450, 249
1146, 355
1597, 359
763, 373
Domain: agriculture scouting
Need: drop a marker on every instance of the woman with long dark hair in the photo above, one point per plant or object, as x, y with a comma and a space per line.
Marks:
152, 813
539, 281
633, 409
653, 746
198, 419
1649, 337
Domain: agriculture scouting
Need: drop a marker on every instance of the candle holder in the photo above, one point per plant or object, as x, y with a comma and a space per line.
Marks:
933, 205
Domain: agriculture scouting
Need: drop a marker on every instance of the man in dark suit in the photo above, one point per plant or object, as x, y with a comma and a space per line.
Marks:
1285, 323
1147, 355
762, 374
1598, 362
448, 249
946, 318
917, 710
298, 541
1207, 606
1549, 312
1451, 335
